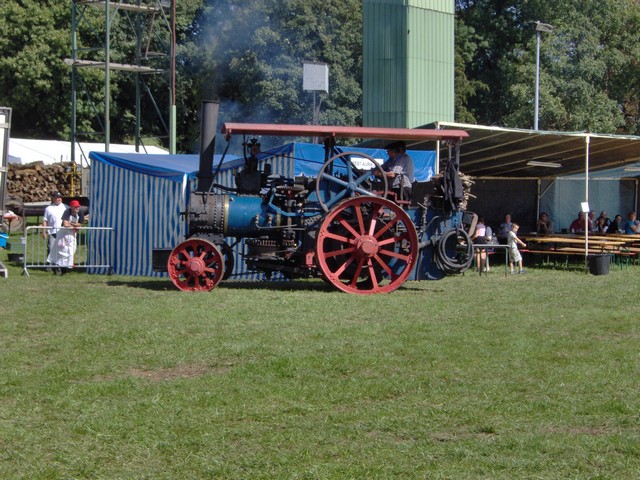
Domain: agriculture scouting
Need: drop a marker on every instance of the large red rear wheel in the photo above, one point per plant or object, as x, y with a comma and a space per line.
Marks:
367, 245
196, 265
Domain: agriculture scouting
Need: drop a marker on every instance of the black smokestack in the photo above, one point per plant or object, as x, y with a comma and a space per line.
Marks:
207, 144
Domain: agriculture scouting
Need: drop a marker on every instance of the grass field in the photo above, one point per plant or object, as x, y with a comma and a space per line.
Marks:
527, 377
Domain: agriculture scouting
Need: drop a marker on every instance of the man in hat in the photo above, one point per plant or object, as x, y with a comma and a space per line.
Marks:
399, 170
249, 179
52, 219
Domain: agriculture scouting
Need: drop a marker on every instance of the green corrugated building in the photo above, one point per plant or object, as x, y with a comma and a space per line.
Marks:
408, 77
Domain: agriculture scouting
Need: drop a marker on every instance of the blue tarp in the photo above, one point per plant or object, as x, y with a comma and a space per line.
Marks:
171, 167
309, 158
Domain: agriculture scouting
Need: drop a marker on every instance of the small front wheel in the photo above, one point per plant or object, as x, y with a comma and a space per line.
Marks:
196, 265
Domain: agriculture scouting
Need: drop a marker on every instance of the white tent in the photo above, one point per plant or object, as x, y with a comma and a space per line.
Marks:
23, 151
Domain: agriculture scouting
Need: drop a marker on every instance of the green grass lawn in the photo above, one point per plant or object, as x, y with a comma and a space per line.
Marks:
531, 376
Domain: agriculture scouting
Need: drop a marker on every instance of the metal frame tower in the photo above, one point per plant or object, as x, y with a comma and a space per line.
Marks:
5, 128
149, 25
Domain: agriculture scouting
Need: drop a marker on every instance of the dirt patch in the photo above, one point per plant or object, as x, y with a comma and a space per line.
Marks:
179, 371
592, 431
173, 373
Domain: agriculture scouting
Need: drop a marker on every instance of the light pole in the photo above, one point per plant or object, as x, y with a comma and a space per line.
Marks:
540, 27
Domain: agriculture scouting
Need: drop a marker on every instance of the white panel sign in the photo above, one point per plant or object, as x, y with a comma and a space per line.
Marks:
315, 76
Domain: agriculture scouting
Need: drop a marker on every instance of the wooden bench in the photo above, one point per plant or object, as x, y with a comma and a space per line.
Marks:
619, 256
625, 255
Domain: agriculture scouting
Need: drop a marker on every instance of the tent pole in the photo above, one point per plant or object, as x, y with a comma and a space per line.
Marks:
539, 182
436, 170
587, 140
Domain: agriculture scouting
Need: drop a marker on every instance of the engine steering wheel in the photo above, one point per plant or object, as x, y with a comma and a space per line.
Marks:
341, 171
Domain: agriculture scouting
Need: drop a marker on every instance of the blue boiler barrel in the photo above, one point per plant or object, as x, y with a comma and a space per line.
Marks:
248, 216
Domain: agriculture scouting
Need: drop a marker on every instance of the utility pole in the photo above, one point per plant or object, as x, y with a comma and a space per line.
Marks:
540, 27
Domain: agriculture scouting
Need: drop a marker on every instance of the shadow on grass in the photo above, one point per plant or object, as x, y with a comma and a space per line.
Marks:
280, 285
161, 284
164, 284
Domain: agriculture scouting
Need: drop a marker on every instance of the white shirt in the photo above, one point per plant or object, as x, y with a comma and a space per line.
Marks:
53, 216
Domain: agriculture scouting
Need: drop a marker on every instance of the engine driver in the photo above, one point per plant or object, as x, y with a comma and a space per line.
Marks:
399, 170
250, 178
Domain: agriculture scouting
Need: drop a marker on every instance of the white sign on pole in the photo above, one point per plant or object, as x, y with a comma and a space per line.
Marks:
315, 76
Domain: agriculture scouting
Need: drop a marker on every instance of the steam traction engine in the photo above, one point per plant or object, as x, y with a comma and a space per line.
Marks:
343, 226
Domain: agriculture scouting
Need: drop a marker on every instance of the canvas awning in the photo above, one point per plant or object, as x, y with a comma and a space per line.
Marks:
507, 152
510, 153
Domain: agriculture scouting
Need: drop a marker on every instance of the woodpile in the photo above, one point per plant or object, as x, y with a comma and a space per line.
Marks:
35, 182
467, 184
433, 191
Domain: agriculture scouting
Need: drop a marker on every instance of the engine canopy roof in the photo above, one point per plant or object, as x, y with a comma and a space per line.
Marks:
327, 131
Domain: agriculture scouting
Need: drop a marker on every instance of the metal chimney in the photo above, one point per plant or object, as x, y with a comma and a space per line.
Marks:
207, 144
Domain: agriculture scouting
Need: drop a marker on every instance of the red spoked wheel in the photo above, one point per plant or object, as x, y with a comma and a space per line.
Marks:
367, 245
196, 265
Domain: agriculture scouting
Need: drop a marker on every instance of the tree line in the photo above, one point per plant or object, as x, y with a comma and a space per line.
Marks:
249, 55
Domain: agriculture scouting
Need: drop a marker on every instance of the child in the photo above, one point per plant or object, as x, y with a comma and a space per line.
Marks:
514, 253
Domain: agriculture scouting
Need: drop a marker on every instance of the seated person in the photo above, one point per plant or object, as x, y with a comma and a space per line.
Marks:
592, 220
601, 225
616, 225
399, 170
544, 225
632, 225
504, 229
249, 179
579, 224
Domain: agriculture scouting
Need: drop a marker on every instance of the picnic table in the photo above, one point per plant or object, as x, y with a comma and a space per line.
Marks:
630, 240
568, 245
630, 248
555, 242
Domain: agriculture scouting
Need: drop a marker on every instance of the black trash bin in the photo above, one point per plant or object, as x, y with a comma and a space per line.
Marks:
599, 264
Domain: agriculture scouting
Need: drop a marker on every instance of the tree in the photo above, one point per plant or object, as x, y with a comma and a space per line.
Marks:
466, 46
249, 54
34, 81
589, 63
253, 54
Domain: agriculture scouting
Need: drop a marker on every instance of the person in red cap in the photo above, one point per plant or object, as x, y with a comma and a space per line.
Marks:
72, 219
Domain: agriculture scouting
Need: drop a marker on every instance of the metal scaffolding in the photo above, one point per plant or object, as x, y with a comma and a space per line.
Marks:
144, 46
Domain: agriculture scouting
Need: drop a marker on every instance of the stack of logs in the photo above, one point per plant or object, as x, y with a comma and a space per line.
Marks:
437, 183
35, 182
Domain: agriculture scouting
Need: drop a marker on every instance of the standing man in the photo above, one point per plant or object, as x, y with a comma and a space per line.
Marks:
399, 170
53, 219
